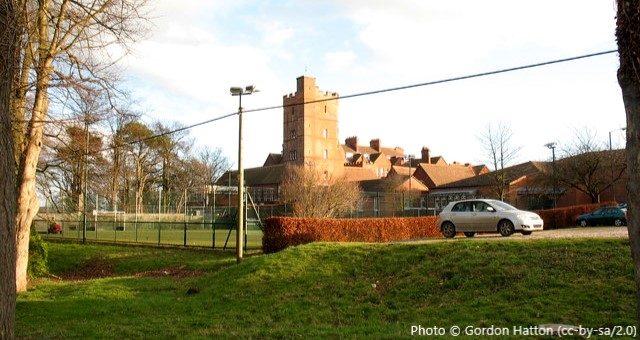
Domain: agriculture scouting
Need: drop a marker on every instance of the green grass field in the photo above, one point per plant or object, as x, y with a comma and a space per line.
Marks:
170, 234
331, 290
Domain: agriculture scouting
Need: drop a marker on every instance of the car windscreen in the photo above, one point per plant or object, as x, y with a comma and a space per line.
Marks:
502, 206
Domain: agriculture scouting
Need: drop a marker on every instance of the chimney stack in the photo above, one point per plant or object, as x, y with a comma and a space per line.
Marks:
375, 144
426, 156
352, 142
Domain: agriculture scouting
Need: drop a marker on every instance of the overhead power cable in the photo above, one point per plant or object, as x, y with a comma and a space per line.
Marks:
368, 93
392, 89
447, 80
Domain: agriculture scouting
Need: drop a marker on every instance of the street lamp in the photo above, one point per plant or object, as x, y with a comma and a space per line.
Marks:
239, 91
552, 146
409, 158
613, 188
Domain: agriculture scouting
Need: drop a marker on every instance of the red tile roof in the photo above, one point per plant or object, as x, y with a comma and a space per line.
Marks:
355, 174
401, 170
261, 176
512, 173
443, 174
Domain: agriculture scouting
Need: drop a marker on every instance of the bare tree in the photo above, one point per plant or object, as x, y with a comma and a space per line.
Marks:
171, 149
141, 159
215, 164
8, 61
498, 145
61, 41
74, 155
311, 194
628, 36
116, 155
587, 167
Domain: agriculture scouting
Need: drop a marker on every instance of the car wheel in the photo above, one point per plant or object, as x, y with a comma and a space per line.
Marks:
448, 230
526, 233
505, 228
618, 222
469, 233
582, 223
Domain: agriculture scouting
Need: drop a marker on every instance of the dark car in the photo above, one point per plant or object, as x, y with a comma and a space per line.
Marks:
603, 216
623, 207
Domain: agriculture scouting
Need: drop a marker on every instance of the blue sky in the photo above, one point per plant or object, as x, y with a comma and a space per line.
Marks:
196, 50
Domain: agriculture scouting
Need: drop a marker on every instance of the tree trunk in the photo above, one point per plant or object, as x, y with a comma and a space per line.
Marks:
19, 101
27, 199
115, 187
8, 62
628, 36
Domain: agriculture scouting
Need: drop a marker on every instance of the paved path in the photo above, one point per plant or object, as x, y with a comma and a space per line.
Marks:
576, 232
589, 232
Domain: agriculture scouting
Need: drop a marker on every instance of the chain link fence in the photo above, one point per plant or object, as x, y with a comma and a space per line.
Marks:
201, 225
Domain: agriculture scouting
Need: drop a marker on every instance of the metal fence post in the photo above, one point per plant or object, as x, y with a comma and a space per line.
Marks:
185, 233
403, 203
213, 235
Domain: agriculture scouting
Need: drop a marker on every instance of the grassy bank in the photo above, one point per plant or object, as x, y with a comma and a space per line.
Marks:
329, 289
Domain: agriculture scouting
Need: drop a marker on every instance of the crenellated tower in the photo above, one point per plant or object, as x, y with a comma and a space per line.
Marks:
310, 131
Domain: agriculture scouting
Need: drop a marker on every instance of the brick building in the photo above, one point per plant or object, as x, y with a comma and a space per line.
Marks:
310, 138
530, 185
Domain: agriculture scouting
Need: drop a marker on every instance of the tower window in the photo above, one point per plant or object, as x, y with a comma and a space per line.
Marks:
293, 155
325, 133
326, 154
292, 134
325, 109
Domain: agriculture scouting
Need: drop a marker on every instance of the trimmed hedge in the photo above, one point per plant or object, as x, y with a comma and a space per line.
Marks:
566, 216
281, 232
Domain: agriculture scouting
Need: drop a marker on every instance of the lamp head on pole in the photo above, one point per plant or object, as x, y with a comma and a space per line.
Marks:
551, 145
239, 91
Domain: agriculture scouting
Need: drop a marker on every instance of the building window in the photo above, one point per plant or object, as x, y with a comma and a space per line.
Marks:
293, 155
292, 134
325, 133
325, 109
256, 194
268, 194
326, 154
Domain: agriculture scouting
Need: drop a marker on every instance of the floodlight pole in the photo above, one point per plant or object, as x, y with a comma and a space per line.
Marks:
552, 146
410, 157
238, 91
240, 226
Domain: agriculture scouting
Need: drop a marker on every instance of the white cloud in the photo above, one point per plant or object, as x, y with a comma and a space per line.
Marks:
340, 59
193, 56
275, 34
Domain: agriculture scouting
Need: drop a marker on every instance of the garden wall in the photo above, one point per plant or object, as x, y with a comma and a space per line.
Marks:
281, 232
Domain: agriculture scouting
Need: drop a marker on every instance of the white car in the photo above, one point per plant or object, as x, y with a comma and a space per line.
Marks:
486, 215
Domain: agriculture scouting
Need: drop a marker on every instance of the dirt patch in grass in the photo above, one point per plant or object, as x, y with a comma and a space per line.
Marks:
100, 268
93, 269
177, 272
